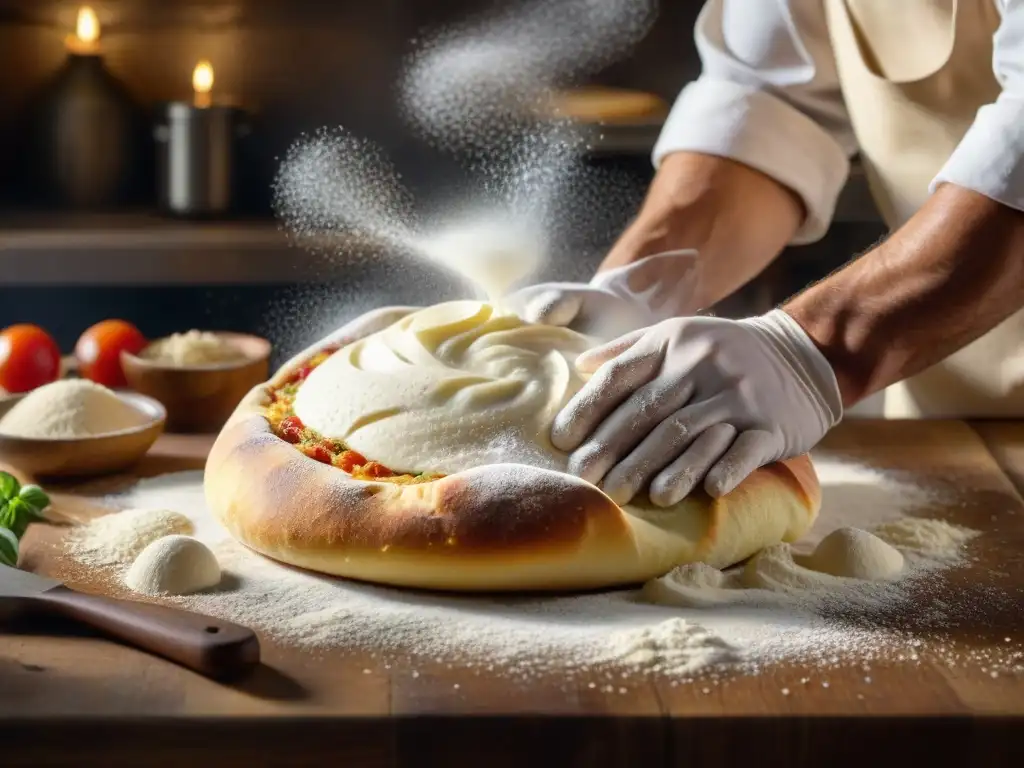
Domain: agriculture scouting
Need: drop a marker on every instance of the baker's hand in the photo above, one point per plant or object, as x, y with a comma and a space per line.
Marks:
696, 399
632, 296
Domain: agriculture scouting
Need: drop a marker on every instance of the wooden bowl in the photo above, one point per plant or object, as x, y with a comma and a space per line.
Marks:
199, 399
86, 456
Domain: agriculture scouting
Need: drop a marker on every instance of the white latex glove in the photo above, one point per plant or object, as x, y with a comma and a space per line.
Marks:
654, 288
696, 399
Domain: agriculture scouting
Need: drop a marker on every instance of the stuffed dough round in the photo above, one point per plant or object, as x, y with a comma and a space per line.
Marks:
410, 448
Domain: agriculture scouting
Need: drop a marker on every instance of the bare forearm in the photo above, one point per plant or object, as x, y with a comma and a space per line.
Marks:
737, 218
952, 273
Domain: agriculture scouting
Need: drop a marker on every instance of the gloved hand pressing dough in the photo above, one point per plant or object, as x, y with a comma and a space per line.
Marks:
654, 288
696, 399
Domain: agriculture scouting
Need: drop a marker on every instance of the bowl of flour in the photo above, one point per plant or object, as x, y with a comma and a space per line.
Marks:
75, 428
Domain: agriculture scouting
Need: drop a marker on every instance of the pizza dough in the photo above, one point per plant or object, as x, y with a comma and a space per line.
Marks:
173, 565
855, 554
461, 389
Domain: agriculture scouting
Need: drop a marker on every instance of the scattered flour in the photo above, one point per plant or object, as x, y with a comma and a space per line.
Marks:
472, 84
116, 540
925, 539
675, 645
69, 409
601, 636
855, 569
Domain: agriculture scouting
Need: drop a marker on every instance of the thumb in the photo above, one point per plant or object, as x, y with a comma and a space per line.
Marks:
594, 358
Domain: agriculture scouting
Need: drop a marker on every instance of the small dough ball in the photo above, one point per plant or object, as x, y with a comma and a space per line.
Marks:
173, 565
856, 554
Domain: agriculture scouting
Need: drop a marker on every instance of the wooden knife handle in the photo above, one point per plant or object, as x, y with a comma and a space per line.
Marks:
209, 646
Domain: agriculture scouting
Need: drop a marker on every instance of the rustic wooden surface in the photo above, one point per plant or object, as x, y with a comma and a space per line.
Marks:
75, 699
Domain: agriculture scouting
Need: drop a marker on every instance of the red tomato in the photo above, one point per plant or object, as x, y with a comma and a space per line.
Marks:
29, 358
98, 351
318, 452
349, 460
291, 429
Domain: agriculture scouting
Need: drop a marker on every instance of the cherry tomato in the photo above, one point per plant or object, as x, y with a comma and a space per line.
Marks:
349, 460
319, 452
29, 358
98, 351
291, 429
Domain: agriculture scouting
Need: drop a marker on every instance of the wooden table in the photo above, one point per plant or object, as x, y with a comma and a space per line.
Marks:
65, 698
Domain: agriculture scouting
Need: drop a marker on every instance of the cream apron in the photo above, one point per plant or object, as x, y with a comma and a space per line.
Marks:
913, 75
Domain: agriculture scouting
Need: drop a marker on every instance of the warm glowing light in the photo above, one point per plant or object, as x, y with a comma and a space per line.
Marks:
202, 77
87, 28
202, 82
84, 42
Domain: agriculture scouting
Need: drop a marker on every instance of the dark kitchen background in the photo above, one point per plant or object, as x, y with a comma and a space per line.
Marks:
292, 66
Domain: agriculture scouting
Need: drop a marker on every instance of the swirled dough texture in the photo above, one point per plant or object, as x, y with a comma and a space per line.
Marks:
448, 388
465, 391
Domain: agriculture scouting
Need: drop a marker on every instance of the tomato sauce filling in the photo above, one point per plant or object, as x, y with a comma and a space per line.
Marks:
287, 426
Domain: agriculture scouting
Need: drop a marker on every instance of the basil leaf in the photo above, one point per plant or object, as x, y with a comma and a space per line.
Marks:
9, 486
7, 515
36, 497
8, 548
18, 515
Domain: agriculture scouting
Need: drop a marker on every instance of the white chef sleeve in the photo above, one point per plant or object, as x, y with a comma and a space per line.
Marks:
768, 96
990, 157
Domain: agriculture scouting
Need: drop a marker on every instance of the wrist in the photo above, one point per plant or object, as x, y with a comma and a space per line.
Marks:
839, 344
737, 218
811, 369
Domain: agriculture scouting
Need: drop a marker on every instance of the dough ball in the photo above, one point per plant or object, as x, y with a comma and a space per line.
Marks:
856, 554
173, 565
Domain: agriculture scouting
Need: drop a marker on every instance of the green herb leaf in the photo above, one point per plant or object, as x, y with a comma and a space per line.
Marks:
18, 514
7, 516
9, 486
8, 548
36, 497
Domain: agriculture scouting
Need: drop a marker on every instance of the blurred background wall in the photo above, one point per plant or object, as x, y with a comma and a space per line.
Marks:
293, 65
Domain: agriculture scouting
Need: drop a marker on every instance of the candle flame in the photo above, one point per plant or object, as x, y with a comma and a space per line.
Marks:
202, 77
87, 27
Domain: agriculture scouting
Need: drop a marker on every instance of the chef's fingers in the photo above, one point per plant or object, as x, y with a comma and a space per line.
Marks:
709, 438
613, 382
752, 449
676, 481
627, 427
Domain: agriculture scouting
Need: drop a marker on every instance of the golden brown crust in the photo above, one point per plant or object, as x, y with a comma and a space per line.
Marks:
499, 527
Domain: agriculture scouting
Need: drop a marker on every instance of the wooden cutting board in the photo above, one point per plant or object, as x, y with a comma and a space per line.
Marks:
62, 698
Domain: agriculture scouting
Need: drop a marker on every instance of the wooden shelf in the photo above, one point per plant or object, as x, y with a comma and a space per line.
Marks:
147, 249
140, 249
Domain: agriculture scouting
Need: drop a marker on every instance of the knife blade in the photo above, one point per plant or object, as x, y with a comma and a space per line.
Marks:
212, 647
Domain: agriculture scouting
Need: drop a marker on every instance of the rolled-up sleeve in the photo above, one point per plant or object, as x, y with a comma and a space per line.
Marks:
990, 157
768, 96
